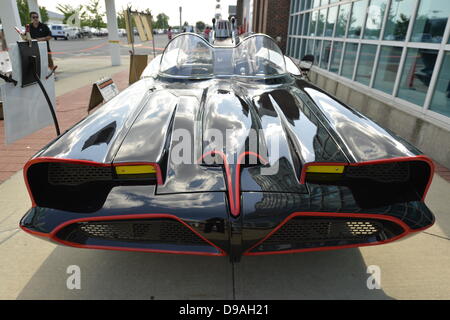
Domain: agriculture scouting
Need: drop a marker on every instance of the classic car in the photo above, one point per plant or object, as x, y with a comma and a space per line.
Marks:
226, 151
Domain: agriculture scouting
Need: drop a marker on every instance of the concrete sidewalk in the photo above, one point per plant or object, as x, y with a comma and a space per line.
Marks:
30, 268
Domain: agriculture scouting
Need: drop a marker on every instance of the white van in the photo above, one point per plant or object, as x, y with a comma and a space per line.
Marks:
57, 31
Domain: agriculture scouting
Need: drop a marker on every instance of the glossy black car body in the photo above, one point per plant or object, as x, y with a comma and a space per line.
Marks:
222, 202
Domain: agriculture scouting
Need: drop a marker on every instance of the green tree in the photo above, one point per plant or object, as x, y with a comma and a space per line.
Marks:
24, 12
96, 17
162, 21
200, 26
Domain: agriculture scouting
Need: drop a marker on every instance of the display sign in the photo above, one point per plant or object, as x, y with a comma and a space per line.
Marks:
102, 91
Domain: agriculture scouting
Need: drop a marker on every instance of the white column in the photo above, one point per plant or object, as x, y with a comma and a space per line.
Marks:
33, 6
113, 32
10, 19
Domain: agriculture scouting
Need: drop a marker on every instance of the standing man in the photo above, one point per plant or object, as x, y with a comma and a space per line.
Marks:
41, 32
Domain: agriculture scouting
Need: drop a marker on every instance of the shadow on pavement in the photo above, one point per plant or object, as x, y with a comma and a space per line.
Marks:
131, 275
337, 274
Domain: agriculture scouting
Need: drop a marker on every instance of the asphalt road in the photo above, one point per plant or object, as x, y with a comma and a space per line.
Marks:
99, 46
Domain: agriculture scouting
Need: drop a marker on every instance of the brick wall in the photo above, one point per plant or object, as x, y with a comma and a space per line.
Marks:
277, 20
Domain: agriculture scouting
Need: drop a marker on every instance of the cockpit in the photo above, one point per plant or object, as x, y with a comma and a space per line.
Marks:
191, 56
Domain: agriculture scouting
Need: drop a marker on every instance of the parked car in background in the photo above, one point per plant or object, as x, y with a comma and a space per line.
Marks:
57, 31
71, 33
86, 32
122, 33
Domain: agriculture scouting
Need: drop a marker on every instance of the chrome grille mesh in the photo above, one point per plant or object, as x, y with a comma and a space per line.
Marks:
306, 229
75, 174
385, 172
161, 231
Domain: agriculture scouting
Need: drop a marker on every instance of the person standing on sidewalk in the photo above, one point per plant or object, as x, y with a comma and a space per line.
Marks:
41, 32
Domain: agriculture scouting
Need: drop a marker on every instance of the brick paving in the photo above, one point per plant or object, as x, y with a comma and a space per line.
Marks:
70, 108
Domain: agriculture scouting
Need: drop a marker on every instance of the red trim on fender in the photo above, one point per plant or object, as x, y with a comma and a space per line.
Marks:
227, 173
52, 234
83, 162
407, 230
235, 198
238, 177
356, 164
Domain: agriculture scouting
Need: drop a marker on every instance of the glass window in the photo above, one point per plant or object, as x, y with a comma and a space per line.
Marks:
336, 56
323, 2
416, 75
357, 19
349, 59
387, 68
317, 52
441, 98
297, 48
309, 47
430, 22
365, 63
294, 24
398, 19
302, 49
321, 22
313, 23
333, 1
316, 3
344, 12
331, 21
325, 57
299, 25
305, 24
375, 15
307, 4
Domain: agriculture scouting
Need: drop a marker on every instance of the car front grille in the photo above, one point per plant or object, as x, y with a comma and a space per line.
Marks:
384, 172
300, 230
72, 174
153, 230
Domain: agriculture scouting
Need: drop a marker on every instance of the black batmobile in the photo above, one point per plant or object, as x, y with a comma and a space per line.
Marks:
226, 151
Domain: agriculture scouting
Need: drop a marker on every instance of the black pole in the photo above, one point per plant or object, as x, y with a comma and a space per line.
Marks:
52, 110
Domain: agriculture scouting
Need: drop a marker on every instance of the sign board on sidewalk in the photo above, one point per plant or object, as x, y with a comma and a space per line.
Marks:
102, 91
138, 62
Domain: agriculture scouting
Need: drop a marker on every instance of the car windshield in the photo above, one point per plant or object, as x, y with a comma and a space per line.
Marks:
191, 56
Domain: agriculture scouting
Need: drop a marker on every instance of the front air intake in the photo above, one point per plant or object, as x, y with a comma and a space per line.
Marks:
161, 230
375, 184
82, 186
155, 233
314, 232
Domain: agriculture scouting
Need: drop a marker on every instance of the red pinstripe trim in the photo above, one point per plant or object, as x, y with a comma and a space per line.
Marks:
406, 230
228, 176
52, 234
83, 162
238, 178
235, 197
363, 163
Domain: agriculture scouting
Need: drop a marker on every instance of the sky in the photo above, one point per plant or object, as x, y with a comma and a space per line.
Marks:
193, 10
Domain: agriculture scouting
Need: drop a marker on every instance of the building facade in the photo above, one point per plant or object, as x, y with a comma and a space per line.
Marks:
265, 16
390, 52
